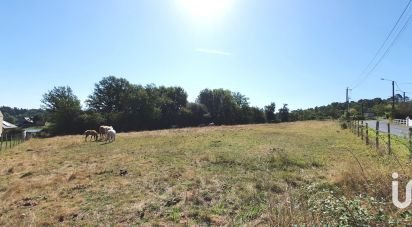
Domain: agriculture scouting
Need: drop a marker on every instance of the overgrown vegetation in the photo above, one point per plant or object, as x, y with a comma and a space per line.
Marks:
129, 107
304, 173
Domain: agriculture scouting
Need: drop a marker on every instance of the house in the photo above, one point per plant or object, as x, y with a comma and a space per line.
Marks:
5, 125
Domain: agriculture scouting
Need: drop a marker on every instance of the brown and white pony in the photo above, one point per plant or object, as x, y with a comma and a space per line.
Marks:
91, 133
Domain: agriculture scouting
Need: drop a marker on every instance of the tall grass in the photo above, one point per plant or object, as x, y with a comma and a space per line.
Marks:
305, 173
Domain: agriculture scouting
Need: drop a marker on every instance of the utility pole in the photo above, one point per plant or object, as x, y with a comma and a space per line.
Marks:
404, 97
347, 99
393, 98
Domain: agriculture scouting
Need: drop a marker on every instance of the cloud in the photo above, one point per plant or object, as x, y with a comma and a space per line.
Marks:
212, 51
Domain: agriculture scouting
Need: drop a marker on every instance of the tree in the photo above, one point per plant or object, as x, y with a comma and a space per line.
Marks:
140, 110
110, 95
270, 112
193, 114
241, 100
169, 102
258, 115
284, 113
64, 109
221, 105
404, 110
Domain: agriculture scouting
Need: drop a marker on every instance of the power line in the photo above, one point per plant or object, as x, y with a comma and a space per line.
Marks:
367, 73
398, 87
392, 43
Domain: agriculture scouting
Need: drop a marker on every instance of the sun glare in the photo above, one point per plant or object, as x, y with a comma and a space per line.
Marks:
206, 10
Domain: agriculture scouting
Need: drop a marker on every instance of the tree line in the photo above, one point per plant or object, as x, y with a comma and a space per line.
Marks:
361, 109
131, 107
16, 115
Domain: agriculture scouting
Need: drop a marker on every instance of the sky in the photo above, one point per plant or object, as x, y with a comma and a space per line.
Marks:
300, 52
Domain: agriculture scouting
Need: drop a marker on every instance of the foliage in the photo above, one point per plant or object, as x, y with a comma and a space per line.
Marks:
284, 113
376, 107
362, 210
221, 105
64, 109
130, 107
270, 112
240, 99
404, 110
17, 115
110, 95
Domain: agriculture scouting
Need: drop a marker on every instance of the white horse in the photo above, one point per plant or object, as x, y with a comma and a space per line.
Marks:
111, 135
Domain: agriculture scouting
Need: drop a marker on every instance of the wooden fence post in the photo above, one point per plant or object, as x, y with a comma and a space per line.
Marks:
351, 126
377, 134
361, 130
358, 129
410, 140
354, 128
1, 141
389, 138
367, 134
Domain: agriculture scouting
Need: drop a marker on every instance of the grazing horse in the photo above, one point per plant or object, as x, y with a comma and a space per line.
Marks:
103, 130
91, 133
111, 135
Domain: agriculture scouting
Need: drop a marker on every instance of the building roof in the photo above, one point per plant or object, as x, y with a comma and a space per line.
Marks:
29, 120
7, 125
33, 130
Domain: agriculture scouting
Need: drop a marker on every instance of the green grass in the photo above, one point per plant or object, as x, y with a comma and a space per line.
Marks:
230, 175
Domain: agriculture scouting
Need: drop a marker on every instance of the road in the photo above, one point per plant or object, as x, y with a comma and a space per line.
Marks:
399, 130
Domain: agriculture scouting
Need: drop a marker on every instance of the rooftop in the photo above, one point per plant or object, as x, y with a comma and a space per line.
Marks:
7, 125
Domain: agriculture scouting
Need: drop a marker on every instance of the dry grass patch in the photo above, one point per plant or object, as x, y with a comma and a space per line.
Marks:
229, 175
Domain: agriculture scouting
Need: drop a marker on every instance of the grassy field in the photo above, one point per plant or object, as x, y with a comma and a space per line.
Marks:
272, 174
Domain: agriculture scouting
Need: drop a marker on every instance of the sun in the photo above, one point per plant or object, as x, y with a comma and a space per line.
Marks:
206, 10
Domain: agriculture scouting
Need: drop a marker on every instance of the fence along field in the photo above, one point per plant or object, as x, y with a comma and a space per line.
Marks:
384, 142
10, 140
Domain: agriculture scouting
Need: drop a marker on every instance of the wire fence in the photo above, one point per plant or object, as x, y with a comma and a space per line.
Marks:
8, 141
384, 142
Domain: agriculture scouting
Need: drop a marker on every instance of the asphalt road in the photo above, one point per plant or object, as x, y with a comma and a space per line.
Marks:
399, 130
